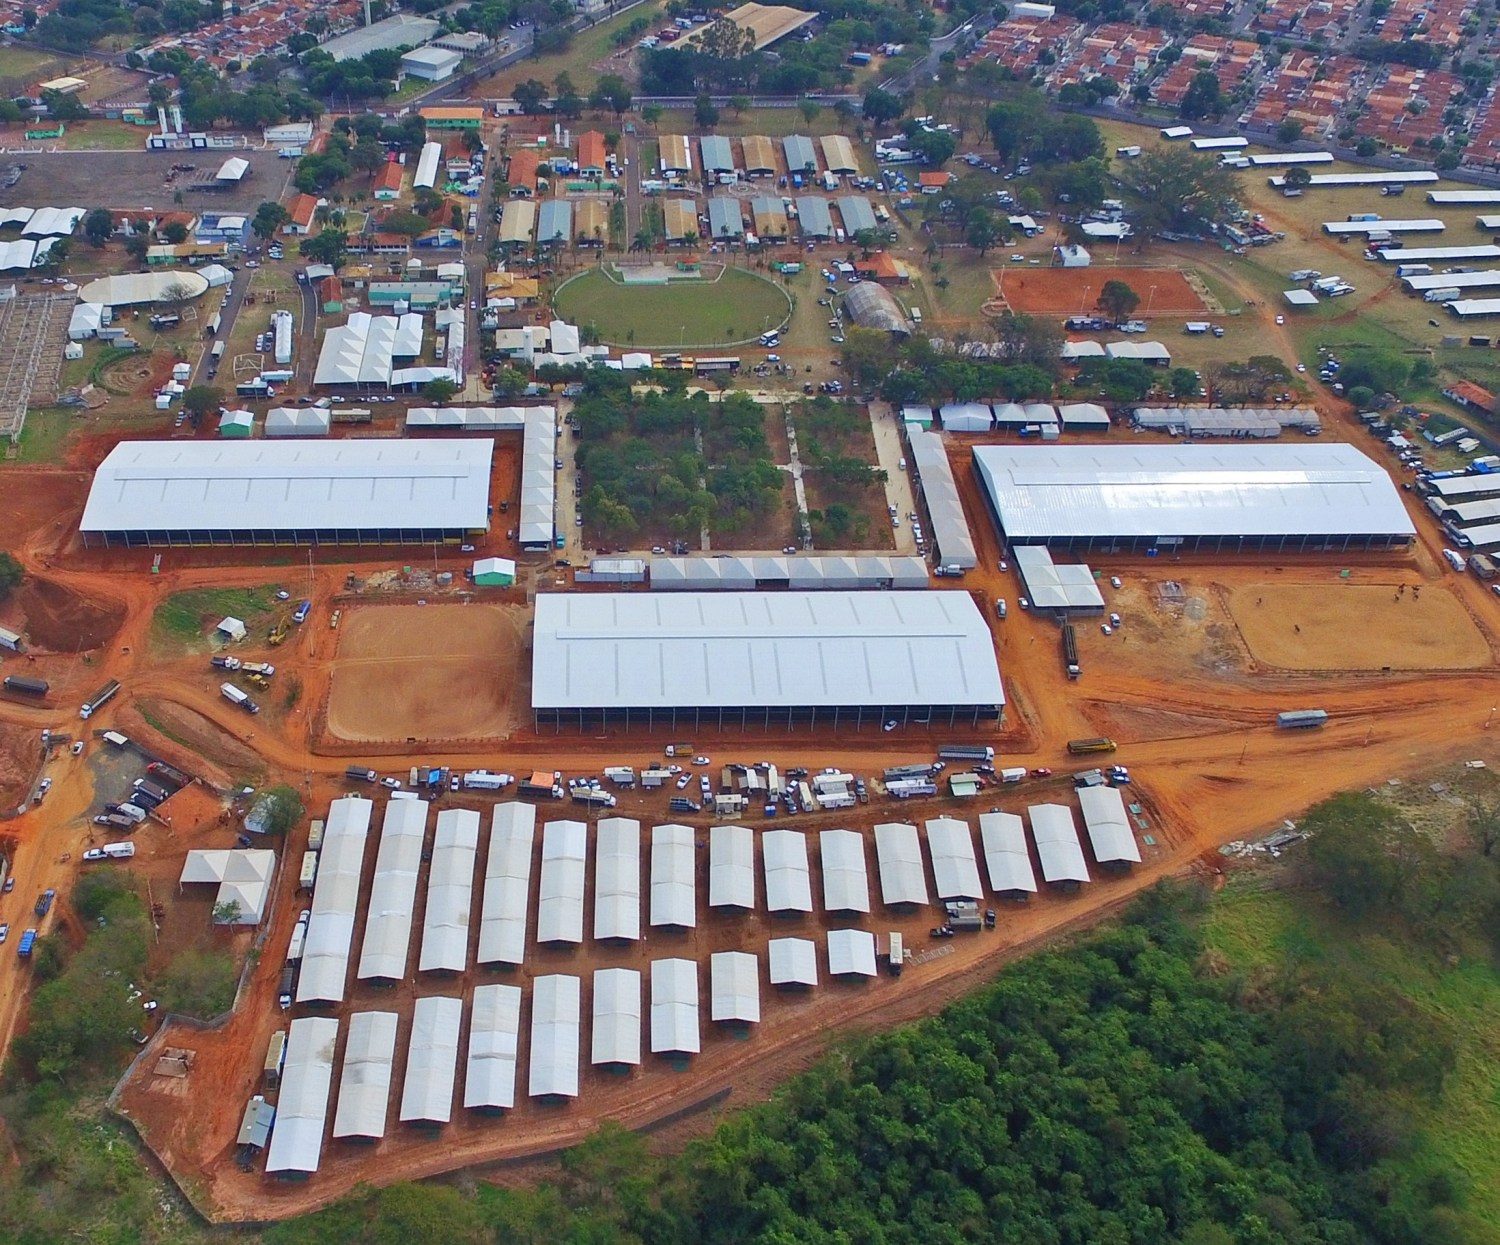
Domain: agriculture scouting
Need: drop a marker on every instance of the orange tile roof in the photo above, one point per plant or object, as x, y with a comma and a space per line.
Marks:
591, 150
389, 177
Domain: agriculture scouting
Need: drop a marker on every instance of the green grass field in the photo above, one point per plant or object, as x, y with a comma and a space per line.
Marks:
739, 306
182, 622
18, 62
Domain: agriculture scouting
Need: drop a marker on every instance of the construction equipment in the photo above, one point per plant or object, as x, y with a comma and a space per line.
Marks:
259, 680
280, 631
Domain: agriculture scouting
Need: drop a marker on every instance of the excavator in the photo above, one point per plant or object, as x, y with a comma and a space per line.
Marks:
280, 631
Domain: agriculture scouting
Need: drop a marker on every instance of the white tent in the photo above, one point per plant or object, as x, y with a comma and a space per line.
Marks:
851, 952
1005, 854
330, 931
1108, 826
243, 878
559, 916
674, 1007
846, 885
365, 1079
232, 629
955, 871
494, 1038
1057, 845
554, 1037
215, 275
899, 855
673, 893
617, 1016
507, 885
393, 892
731, 867
302, 1102
617, 879
432, 1058
734, 987
793, 962
788, 880
450, 887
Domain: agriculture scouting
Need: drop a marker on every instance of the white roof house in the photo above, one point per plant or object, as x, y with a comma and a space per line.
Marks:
846, 885
1108, 826
1005, 855
507, 885
365, 1077
393, 892
432, 1058
734, 987
450, 887
617, 1016
336, 894
955, 871
302, 1102
899, 856
346, 486
1057, 843
731, 867
559, 913
242, 876
555, 1019
617, 880
673, 881
1052, 587
950, 529
674, 1007
788, 880
494, 1039
1309, 494
793, 962
851, 953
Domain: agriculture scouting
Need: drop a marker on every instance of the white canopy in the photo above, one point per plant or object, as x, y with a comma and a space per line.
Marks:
954, 869
674, 1007
1005, 854
673, 891
365, 1079
731, 867
1057, 843
450, 887
734, 987
788, 880
432, 1058
393, 892
302, 1102
851, 952
559, 916
899, 855
494, 1038
617, 1016
330, 929
617, 879
507, 885
554, 1036
243, 877
1108, 826
793, 962
846, 885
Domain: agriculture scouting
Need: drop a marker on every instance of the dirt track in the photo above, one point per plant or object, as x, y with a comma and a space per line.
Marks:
1075, 291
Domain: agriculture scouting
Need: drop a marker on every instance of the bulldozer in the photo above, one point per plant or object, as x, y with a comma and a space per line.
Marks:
258, 680
279, 632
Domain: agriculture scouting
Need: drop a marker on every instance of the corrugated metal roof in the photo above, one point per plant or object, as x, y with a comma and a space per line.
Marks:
494, 1039
793, 962
1053, 587
679, 218
799, 154
432, 1059
555, 1019
676, 154
857, 214
955, 872
302, 1101
1057, 846
1005, 855
734, 987
898, 854
838, 154
622, 650
950, 528
617, 1016
673, 877
393, 891
517, 222
617, 879
559, 915
846, 884
760, 156
365, 1078
851, 952
731, 867
736, 572
717, 156
555, 221
1043, 491
788, 879
336, 894
813, 217
674, 1007
507, 885
1108, 826
450, 886
725, 220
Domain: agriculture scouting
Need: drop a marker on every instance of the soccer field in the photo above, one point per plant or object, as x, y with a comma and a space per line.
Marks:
737, 307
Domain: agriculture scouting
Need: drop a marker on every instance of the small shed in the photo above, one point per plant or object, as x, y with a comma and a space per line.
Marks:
236, 424
494, 573
1074, 257
919, 415
232, 629
1300, 298
298, 421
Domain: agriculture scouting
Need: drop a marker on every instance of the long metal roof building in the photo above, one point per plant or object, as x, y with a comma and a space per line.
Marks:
507, 885
432, 1059
813, 217
365, 1078
1422, 282
800, 156
674, 1007
1057, 845
200, 492
871, 306
554, 222
898, 854
740, 657
955, 872
450, 889
1108, 826
393, 892
734, 987
1190, 496
555, 1019
718, 157
330, 929
846, 883
302, 1103
788, 879
792, 962
617, 1017
838, 154
494, 1038
1005, 855
731, 867
851, 953
749, 572
673, 882
760, 156
679, 217
725, 219
617, 879
950, 529
857, 213
559, 912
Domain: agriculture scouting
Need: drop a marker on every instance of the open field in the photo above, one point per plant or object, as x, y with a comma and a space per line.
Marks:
1075, 291
184, 622
136, 179
735, 307
588, 48
434, 672
17, 61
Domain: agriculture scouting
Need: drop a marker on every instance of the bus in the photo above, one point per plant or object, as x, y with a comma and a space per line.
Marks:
1099, 744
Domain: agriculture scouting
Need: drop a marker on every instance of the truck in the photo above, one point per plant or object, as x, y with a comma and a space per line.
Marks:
1014, 774
25, 686
220, 662
308, 874
651, 778
111, 851
1301, 719
315, 835
1079, 747
680, 750
895, 953
1070, 651
303, 610
28, 941
115, 738
43, 903
99, 699
1482, 565
236, 697
359, 773
964, 914
156, 792
134, 812
299, 938
1447, 294
620, 775
593, 796
258, 667
284, 988
486, 780
898, 772
966, 752
908, 788
275, 1055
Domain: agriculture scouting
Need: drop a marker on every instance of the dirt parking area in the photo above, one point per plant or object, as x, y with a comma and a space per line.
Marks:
1357, 627
431, 672
1075, 291
137, 179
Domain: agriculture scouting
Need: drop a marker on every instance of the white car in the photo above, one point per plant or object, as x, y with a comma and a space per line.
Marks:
1302, 367
702, 761
1280, 319
683, 781
1114, 582
393, 783
78, 747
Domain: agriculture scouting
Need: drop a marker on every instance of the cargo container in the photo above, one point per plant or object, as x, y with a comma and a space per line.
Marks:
25, 686
1301, 719
966, 752
1012, 775
315, 835
275, 1054
236, 697
115, 738
99, 699
309, 871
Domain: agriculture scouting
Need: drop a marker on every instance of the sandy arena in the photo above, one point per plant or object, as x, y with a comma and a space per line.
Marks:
426, 672
1075, 291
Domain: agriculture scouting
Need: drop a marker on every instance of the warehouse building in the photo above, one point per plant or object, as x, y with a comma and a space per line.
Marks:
800, 158
746, 573
376, 491
951, 537
760, 156
1191, 497
725, 220
778, 659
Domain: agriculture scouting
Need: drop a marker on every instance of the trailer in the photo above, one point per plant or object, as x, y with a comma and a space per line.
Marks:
966, 752
24, 686
1301, 719
485, 780
28, 941
620, 775
236, 697
11, 640
1079, 747
308, 874
147, 787
908, 788
589, 795
898, 772
1482, 565
275, 1056
110, 851
1070, 651
1014, 774
99, 699
284, 988
169, 773
43, 903
315, 835
298, 941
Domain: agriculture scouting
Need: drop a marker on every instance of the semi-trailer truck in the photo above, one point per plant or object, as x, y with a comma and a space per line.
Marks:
99, 699
1070, 651
236, 697
1301, 719
966, 752
1098, 744
44, 902
25, 686
220, 662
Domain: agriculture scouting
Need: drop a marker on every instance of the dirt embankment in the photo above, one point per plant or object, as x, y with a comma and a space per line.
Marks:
59, 620
20, 754
184, 736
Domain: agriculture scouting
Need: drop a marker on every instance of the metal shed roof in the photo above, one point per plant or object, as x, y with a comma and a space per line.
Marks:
746, 572
846, 884
188, 486
432, 1059
676, 153
838, 154
1422, 225
302, 1101
559, 913
393, 892
1108, 826
617, 879
788, 880
734, 987
507, 885
555, 1018
725, 219
871, 306
554, 221
517, 222
1005, 855
1390, 178
617, 1016
856, 213
1046, 491
673, 892
1083, 415
793, 962
450, 889
1057, 843
298, 421
731, 867
899, 856
851, 952
679, 218
1053, 587
716, 153
760, 156
814, 218
330, 929
955, 872
784, 649
1412, 254
769, 214
800, 156
674, 1007
966, 417
494, 1039
950, 528
1473, 198
365, 1078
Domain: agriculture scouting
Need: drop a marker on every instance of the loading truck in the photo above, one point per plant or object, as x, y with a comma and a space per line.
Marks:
964, 914
1078, 747
1070, 651
147, 787
275, 1054
25, 686
359, 773
220, 662
966, 752
236, 697
258, 667
588, 795
43, 903
284, 989
1301, 719
99, 699
28, 941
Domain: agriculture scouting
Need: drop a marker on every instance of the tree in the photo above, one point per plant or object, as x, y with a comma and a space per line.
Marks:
439, 390
64, 107
531, 95
330, 247
936, 147
1298, 176
611, 92
1289, 131
867, 240
881, 108
175, 233
651, 114
11, 574
1184, 382
983, 231
1203, 98
56, 256
704, 113
227, 913
1482, 817
277, 810
809, 108
1117, 300
202, 400
1178, 190
269, 217
98, 225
